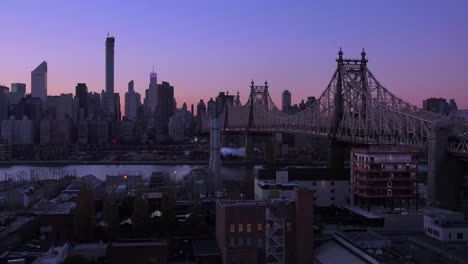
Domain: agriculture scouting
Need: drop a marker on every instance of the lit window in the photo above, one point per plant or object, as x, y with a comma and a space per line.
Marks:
289, 227
232, 228
241, 228
249, 228
259, 227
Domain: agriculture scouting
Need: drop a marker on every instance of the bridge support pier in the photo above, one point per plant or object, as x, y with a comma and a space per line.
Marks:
445, 175
269, 148
249, 148
214, 183
336, 157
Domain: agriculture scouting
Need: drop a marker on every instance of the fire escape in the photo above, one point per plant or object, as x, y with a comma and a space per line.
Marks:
274, 238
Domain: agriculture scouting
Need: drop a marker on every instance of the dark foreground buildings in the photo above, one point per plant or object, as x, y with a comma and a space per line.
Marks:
266, 231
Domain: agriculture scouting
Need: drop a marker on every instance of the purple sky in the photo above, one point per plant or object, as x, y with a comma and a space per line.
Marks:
417, 49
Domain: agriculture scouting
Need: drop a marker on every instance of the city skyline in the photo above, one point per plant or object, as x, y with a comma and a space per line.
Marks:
284, 49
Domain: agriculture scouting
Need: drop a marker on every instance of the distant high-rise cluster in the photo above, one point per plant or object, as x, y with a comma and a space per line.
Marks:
440, 105
89, 119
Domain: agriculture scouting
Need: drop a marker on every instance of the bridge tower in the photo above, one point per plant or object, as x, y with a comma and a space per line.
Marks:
258, 95
336, 149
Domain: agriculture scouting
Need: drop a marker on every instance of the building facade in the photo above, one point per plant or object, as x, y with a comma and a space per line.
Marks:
132, 102
164, 109
17, 132
4, 99
445, 225
286, 101
39, 82
384, 176
18, 91
264, 231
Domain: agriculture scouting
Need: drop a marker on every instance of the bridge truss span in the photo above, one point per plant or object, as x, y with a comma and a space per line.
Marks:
354, 108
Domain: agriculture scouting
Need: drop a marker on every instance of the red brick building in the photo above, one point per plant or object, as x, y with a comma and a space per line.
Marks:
254, 231
384, 176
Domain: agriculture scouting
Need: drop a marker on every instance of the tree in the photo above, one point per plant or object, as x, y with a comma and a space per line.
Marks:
140, 218
168, 209
110, 213
85, 213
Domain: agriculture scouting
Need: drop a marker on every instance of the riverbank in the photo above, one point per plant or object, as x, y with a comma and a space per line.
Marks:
149, 162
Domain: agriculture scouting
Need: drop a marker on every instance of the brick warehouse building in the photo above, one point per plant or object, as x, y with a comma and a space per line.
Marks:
384, 176
257, 231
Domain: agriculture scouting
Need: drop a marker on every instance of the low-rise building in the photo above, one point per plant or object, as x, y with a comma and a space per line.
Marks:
262, 231
56, 224
329, 190
445, 225
137, 252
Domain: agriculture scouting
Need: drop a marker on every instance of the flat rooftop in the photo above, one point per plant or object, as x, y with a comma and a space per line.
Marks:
206, 247
61, 208
361, 236
362, 212
139, 244
386, 149
229, 203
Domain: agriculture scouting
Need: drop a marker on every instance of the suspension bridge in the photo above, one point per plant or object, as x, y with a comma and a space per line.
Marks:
355, 108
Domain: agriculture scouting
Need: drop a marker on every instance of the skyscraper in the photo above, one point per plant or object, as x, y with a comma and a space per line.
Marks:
81, 93
108, 94
18, 91
110, 43
164, 108
132, 102
152, 92
4, 94
39, 82
286, 101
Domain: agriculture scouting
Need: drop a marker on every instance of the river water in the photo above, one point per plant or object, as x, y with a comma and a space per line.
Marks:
231, 172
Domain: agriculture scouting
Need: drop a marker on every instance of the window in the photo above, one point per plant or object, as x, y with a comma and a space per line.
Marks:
435, 233
289, 227
249, 241
260, 242
232, 228
241, 228
232, 242
249, 228
459, 235
332, 183
332, 190
241, 242
259, 227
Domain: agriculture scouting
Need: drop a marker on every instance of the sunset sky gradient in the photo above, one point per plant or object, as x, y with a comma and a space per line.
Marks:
417, 49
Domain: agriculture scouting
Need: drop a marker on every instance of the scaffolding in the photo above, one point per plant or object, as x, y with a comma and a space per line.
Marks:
274, 237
